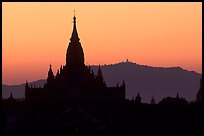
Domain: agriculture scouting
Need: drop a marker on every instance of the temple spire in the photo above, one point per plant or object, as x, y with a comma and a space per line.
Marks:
74, 33
74, 19
75, 54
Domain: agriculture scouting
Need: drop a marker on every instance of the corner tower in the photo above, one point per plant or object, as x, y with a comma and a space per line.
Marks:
75, 54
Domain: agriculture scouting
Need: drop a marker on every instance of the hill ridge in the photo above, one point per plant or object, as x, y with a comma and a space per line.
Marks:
147, 80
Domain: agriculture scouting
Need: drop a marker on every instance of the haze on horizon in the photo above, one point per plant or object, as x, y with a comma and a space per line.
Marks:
35, 35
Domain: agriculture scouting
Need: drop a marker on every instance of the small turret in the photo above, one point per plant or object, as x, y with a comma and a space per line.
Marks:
127, 61
50, 77
11, 100
138, 98
100, 77
100, 72
50, 73
26, 85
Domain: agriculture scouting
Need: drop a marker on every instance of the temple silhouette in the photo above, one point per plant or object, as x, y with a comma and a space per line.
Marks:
77, 102
75, 82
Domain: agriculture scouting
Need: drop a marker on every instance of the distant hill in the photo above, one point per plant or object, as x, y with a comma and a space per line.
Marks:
157, 81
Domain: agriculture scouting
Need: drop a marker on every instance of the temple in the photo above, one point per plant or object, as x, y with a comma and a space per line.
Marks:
75, 82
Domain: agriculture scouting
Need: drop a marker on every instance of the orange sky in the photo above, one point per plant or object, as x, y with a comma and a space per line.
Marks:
156, 34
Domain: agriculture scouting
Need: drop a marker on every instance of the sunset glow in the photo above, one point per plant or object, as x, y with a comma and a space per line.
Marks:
36, 35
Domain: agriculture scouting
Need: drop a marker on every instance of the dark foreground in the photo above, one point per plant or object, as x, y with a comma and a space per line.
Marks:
119, 119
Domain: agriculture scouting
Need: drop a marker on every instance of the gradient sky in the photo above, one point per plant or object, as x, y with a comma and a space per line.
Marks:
36, 35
